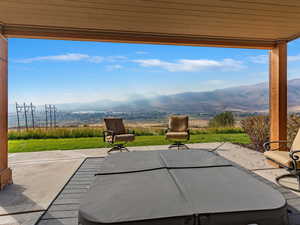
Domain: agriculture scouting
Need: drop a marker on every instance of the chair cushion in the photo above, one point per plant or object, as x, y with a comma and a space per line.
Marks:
120, 137
124, 137
296, 142
115, 124
176, 135
281, 157
178, 123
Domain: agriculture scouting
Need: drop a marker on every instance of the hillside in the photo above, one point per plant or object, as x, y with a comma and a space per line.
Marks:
250, 98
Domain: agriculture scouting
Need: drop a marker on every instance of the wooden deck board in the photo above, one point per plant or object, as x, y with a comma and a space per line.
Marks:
64, 209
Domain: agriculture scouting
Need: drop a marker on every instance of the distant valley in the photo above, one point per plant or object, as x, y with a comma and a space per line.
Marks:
250, 98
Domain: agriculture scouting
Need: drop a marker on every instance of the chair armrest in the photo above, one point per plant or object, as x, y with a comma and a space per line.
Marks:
166, 131
267, 144
106, 133
295, 158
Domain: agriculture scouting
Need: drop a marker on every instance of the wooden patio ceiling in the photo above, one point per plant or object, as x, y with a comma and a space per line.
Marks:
227, 23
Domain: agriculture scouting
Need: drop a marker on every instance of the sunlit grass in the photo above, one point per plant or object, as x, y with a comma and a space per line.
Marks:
33, 145
85, 132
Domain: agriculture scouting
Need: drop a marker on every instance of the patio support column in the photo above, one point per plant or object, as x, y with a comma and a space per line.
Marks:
5, 172
278, 94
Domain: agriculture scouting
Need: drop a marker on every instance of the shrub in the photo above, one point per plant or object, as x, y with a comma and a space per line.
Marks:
293, 126
73, 132
257, 128
42, 133
224, 119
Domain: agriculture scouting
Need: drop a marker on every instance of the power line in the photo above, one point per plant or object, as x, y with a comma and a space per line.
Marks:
28, 116
51, 119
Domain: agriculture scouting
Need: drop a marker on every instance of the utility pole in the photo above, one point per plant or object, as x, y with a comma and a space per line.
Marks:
18, 116
25, 114
50, 110
32, 114
54, 112
46, 111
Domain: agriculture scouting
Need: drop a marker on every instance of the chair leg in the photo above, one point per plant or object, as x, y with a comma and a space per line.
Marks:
126, 149
179, 146
172, 146
118, 147
185, 146
114, 148
289, 175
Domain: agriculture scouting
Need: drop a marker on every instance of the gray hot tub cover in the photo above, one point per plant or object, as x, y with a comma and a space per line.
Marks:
171, 187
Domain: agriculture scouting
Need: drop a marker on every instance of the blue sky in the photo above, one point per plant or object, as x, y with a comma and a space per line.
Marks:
53, 72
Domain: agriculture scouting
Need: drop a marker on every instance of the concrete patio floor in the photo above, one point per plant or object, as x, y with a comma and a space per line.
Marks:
39, 176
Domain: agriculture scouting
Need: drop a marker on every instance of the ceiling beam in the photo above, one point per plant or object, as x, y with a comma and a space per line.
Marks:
62, 33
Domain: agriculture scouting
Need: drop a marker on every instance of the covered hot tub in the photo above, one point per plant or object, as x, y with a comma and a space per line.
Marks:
179, 188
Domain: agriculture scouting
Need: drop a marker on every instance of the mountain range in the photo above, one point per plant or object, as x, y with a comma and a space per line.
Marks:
249, 98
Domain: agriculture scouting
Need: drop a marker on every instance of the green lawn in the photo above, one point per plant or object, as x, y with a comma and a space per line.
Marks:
33, 145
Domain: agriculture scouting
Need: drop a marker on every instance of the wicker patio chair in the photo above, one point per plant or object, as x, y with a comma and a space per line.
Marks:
178, 131
116, 134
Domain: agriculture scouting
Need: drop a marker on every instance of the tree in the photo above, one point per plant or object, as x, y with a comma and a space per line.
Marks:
224, 119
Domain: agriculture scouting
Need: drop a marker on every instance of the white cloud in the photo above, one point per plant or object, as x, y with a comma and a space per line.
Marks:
95, 59
191, 65
117, 58
73, 57
294, 58
293, 73
65, 57
260, 59
114, 67
264, 59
